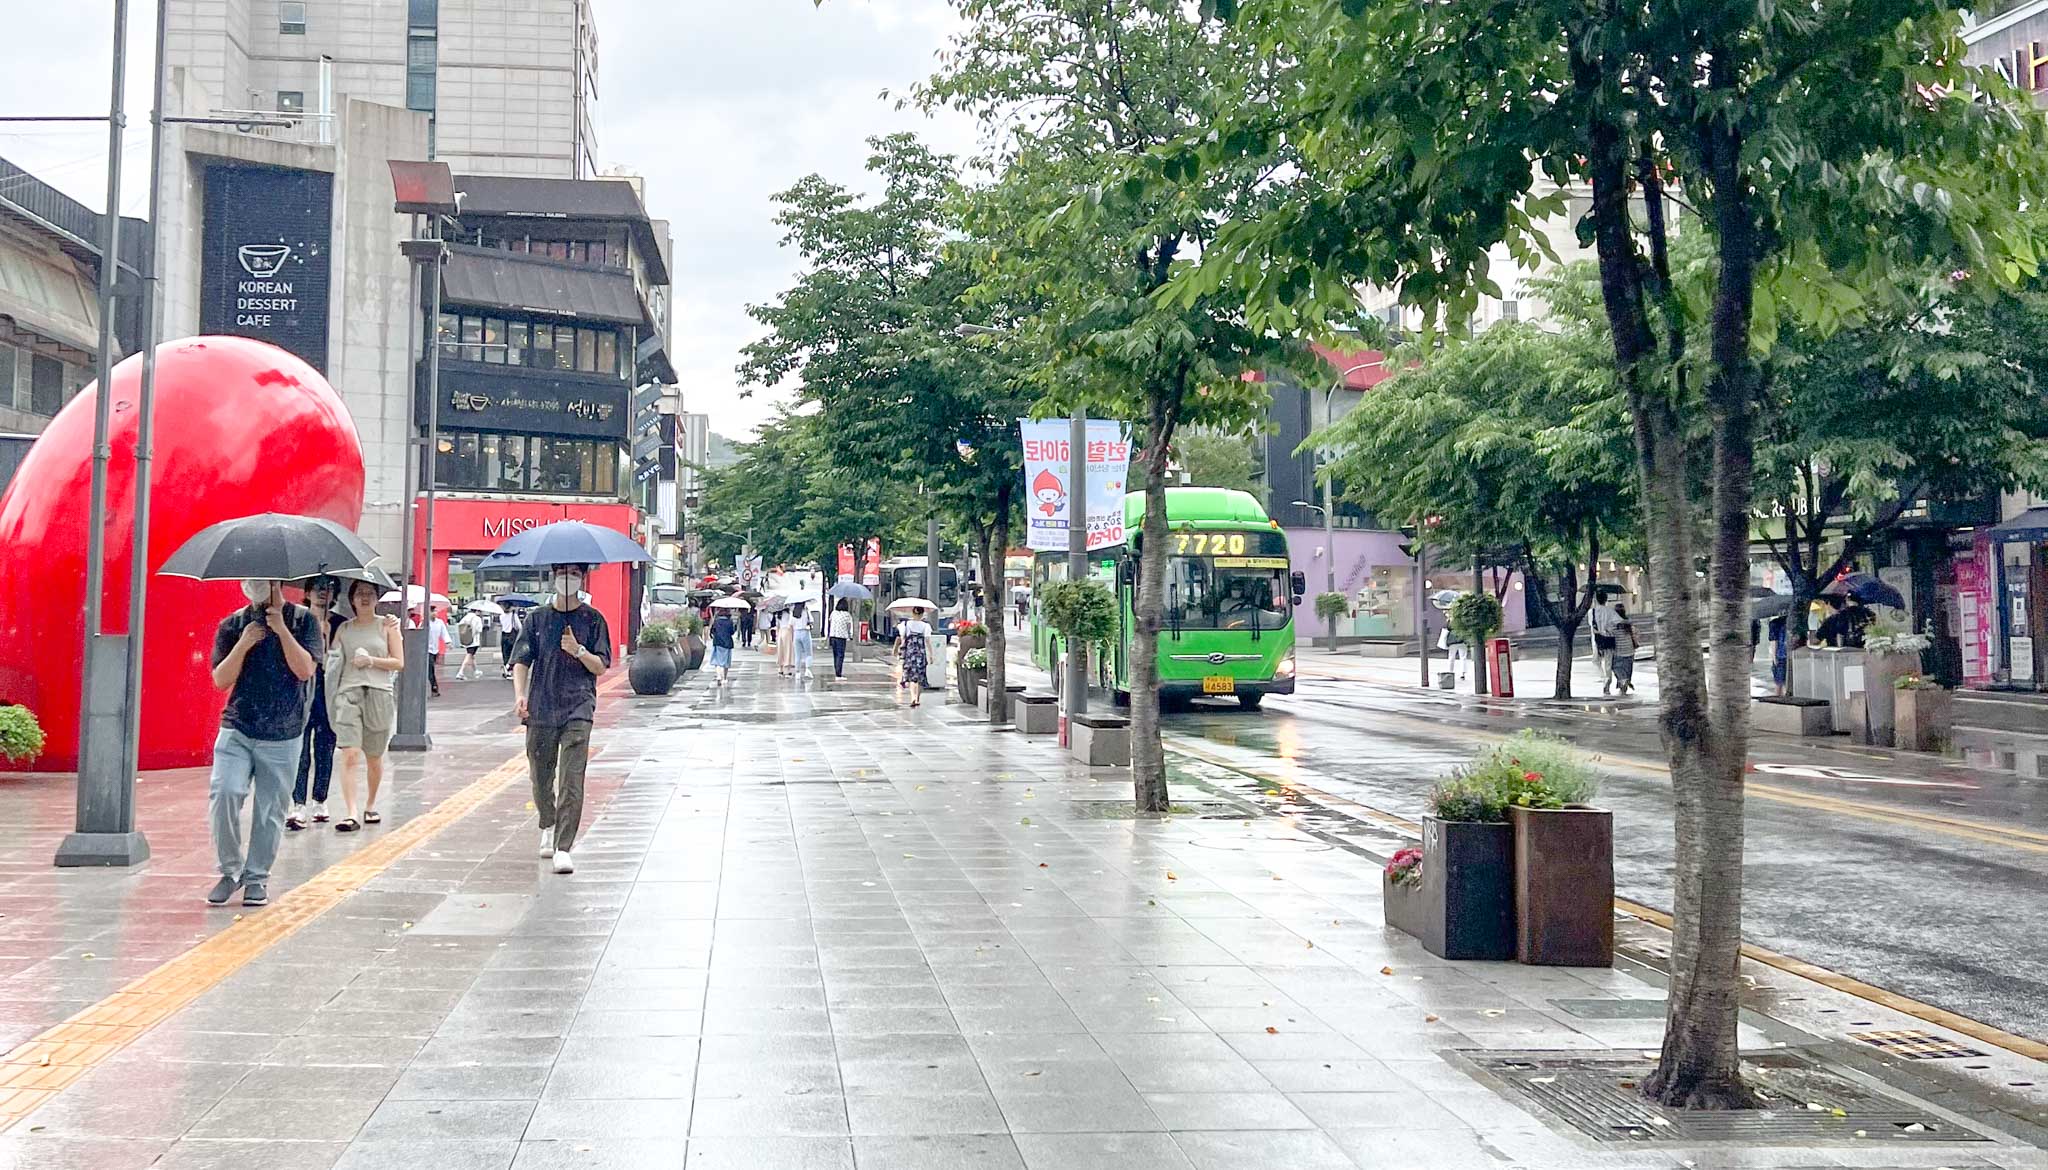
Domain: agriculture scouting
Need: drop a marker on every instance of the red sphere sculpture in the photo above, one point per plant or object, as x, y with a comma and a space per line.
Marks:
241, 427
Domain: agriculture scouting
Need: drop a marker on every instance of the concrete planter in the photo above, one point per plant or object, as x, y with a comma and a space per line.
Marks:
1564, 886
1467, 900
1924, 719
1788, 715
973, 681
1879, 672
653, 671
1402, 905
1036, 714
1100, 741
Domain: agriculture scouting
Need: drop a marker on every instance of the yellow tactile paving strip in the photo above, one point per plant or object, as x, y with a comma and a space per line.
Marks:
39, 1069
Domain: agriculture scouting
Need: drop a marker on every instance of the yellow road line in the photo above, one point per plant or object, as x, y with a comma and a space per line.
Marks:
39, 1069
1848, 985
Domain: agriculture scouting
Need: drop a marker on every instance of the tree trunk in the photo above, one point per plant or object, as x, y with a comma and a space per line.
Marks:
1700, 1065
1148, 754
994, 609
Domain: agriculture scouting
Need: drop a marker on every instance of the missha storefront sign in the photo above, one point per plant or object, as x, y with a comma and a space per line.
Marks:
265, 262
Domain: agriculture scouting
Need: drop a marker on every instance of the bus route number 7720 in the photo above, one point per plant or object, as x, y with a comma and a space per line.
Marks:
1208, 544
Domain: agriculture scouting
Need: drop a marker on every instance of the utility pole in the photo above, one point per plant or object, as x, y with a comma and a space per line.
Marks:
1421, 602
104, 831
1076, 687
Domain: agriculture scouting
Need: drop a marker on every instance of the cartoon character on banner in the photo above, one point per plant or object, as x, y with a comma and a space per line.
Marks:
1050, 493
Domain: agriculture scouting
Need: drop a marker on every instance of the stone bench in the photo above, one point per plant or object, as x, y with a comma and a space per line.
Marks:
1100, 741
1792, 716
1036, 714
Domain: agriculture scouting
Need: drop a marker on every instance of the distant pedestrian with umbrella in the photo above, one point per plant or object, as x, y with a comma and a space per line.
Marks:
264, 656
565, 646
508, 636
316, 753
723, 632
838, 632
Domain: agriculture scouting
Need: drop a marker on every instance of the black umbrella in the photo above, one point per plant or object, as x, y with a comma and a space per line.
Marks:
272, 547
1868, 590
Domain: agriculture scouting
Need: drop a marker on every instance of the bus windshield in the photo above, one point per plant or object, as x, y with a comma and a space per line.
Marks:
1227, 581
910, 582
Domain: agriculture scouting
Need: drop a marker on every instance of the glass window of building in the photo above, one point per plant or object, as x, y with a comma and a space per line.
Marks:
494, 341
518, 339
607, 469
543, 345
7, 353
472, 339
291, 17
487, 461
463, 471
607, 352
420, 52
587, 455
565, 348
586, 350
424, 13
291, 101
45, 384
558, 249
419, 90
446, 331
579, 251
555, 466
597, 251
512, 463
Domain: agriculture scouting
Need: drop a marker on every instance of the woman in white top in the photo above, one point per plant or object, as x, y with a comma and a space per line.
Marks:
839, 631
913, 640
362, 667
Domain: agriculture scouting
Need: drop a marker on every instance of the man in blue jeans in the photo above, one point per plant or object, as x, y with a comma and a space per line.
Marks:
264, 656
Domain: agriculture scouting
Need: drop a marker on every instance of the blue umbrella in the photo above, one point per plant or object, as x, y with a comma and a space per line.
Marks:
565, 542
850, 589
1868, 590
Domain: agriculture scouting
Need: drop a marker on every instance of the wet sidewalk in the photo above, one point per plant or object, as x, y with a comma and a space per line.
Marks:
812, 927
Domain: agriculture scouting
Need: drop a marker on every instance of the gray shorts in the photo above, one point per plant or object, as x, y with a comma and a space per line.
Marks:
364, 717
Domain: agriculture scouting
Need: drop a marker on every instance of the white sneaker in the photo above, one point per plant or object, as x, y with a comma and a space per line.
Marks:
547, 842
320, 811
563, 862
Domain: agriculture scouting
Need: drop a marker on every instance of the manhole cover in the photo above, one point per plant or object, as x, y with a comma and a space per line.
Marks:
1807, 1105
1915, 1045
1262, 844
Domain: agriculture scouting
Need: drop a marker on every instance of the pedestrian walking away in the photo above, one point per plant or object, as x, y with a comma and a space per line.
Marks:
316, 751
362, 669
469, 634
747, 629
264, 656
508, 636
913, 645
722, 630
785, 642
801, 637
1624, 653
437, 645
565, 646
1606, 622
838, 632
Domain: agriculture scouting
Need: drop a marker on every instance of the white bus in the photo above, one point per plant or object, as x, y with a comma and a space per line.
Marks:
906, 577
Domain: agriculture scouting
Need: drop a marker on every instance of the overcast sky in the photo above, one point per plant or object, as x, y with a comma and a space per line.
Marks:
719, 103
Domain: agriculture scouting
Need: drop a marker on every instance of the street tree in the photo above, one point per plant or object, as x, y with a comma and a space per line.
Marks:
1221, 459
1513, 441
1828, 150
801, 500
1073, 96
866, 330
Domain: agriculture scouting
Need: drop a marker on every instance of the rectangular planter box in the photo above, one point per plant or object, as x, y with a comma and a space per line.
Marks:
1880, 670
1791, 716
1925, 719
1036, 714
1468, 889
1100, 741
1402, 905
1564, 886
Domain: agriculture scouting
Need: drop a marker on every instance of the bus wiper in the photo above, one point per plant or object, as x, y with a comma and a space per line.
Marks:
1173, 610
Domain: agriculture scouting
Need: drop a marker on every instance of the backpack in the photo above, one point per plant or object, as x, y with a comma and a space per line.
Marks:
465, 632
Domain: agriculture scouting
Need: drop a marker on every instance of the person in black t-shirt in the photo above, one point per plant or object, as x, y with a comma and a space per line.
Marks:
562, 650
264, 656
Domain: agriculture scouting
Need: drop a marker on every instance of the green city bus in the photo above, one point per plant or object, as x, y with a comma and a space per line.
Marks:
1230, 600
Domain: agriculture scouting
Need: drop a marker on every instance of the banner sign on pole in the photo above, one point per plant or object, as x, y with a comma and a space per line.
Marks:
1047, 494
871, 571
846, 560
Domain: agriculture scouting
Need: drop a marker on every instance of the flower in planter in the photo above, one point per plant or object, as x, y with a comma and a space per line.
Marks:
1405, 868
970, 629
975, 660
1915, 682
1530, 770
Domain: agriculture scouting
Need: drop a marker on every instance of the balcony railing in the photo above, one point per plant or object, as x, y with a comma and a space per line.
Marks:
281, 125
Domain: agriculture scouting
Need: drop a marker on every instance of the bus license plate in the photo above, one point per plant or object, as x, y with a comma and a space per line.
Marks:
1218, 684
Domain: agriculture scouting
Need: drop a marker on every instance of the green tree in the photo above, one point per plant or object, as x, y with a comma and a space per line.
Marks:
1515, 440
1830, 150
1212, 458
801, 500
867, 328
1074, 95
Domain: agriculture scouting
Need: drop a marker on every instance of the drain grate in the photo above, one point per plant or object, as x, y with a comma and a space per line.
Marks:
1809, 1105
1915, 1045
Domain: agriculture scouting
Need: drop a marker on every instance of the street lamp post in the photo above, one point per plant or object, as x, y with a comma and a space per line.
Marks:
1329, 508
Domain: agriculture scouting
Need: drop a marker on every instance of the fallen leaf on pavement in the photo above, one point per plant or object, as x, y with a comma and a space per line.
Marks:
1271, 1031
1386, 970
1429, 1019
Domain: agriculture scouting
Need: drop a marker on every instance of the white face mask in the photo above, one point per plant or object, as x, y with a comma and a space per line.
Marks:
257, 592
568, 584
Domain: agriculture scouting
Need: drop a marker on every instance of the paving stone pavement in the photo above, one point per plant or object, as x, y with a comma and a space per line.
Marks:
812, 928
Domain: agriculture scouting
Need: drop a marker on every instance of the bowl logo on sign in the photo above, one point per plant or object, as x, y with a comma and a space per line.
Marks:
263, 261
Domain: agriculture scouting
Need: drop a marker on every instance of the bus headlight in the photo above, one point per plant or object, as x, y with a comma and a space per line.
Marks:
1286, 667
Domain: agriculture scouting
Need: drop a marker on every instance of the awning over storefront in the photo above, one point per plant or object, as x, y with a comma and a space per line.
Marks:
507, 280
2030, 525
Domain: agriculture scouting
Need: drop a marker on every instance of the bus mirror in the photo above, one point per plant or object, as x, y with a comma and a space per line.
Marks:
1128, 570
1298, 581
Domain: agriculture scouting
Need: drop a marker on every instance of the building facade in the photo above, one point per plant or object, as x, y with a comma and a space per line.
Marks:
507, 87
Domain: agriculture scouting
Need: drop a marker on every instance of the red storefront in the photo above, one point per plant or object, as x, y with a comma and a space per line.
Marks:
466, 529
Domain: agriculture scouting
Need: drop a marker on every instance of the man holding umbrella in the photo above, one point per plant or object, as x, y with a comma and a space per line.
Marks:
555, 666
264, 656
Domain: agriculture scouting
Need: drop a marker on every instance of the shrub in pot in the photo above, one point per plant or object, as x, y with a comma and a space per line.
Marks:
1467, 906
973, 674
1924, 712
1564, 852
21, 735
654, 669
1401, 889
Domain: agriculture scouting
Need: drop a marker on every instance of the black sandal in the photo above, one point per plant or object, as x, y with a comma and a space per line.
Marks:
346, 825
372, 817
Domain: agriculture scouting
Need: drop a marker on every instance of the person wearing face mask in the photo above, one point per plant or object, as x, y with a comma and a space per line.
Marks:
264, 656
565, 646
316, 753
